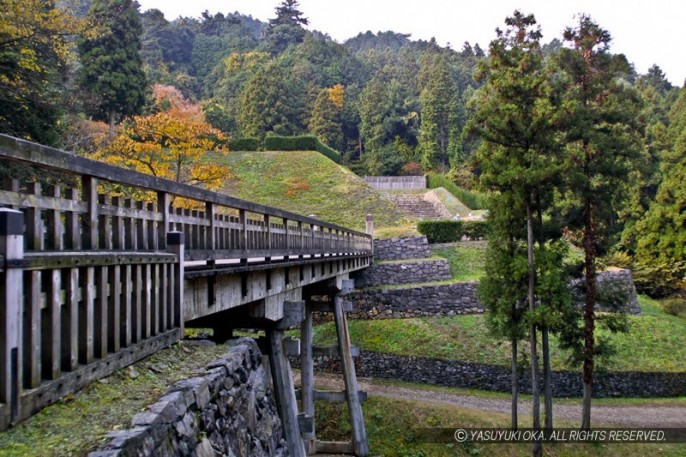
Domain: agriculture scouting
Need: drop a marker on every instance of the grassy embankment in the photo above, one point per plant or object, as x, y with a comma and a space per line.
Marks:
308, 183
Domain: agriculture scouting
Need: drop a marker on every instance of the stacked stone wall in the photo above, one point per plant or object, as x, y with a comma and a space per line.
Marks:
455, 373
229, 410
411, 247
409, 272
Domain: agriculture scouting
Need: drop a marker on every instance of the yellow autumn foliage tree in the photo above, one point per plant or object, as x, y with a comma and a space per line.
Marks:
175, 143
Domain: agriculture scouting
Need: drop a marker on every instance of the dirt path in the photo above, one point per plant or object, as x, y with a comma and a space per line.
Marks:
629, 416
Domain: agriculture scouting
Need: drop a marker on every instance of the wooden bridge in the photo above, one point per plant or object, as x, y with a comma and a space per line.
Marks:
101, 266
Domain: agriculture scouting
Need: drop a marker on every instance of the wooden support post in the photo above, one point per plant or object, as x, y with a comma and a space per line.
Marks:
360, 444
285, 393
369, 229
11, 303
307, 378
175, 245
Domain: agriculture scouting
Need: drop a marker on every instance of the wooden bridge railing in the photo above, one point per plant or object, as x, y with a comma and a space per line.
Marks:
92, 261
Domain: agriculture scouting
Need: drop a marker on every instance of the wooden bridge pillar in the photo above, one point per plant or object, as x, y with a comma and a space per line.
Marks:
282, 378
11, 307
337, 305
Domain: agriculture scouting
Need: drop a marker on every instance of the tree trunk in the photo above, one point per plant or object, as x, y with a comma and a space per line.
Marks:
537, 449
589, 313
515, 384
547, 380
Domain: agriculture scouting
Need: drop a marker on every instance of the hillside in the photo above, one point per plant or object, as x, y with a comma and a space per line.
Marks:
308, 183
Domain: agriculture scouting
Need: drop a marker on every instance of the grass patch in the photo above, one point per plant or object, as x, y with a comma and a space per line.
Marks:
654, 342
392, 429
396, 232
466, 258
306, 182
79, 422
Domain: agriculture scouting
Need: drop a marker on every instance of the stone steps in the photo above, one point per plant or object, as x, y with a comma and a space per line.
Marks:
415, 205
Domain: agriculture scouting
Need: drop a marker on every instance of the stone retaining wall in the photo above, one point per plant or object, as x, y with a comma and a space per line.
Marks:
421, 301
454, 373
230, 410
411, 271
396, 182
410, 247
460, 298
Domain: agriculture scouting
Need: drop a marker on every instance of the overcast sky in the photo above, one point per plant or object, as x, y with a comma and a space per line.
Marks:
647, 31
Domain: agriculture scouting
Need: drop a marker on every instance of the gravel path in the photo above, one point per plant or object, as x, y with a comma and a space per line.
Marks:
620, 415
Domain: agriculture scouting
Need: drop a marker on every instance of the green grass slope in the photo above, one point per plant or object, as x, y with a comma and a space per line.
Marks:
308, 183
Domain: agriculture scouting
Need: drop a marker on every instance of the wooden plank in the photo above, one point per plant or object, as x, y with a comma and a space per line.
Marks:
126, 308
146, 318
75, 259
285, 393
72, 229
32, 329
114, 332
89, 189
11, 310
70, 320
307, 379
22, 200
157, 292
87, 315
360, 443
136, 303
175, 245
51, 331
335, 447
102, 315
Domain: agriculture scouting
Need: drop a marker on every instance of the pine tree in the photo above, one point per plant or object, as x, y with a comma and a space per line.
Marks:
111, 71
285, 29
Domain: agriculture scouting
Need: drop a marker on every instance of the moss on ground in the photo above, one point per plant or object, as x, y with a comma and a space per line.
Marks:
79, 422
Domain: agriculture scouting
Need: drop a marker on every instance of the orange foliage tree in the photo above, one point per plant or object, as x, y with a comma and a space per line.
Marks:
175, 143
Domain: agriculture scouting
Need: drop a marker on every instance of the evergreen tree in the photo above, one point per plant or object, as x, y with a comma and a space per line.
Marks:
600, 146
517, 119
285, 29
325, 121
440, 119
271, 102
661, 248
111, 71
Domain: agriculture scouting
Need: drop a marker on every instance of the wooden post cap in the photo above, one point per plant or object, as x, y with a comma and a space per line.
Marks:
11, 222
175, 238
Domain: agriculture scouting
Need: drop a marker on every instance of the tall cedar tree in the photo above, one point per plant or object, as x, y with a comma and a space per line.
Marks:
440, 117
111, 72
285, 29
600, 146
516, 119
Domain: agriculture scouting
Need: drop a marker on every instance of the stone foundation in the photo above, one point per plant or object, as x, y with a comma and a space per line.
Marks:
230, 410
420, 301
414, 247
408, 272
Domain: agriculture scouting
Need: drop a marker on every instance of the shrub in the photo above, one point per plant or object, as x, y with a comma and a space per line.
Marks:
441, 231
475, 230
245, 144
451, 231
473, 200
300, 143
675, 306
